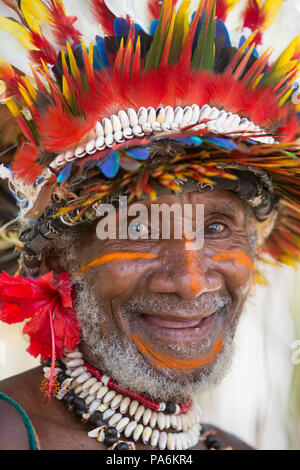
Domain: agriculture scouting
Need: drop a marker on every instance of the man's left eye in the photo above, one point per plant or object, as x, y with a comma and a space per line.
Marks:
215, 228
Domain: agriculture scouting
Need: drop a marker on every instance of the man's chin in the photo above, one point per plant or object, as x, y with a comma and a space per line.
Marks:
133, 371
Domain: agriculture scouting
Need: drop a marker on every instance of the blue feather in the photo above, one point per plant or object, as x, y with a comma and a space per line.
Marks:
242, 40
221, 30
110, 165
223, 143
153, 27
96, 60
138, 28
121, 27
140, 153
196, 140
188, 140
65, 173
102, 51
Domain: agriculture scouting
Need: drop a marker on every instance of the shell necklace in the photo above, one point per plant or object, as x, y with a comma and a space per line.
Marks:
112, 411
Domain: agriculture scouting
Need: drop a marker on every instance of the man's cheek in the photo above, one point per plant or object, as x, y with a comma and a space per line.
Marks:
114, 279
237, 268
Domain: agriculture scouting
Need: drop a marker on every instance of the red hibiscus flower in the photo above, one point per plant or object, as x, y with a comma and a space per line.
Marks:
52, 324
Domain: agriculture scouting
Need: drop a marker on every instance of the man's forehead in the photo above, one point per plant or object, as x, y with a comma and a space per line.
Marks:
223, 200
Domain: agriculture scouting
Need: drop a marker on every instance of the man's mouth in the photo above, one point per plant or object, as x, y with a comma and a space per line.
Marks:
173, 323
177, 328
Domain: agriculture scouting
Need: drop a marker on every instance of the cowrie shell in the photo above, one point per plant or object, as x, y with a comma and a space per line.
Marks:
107, 126
142, 116
127, 133
109, 140
69, 156
133, 118
118, 137
138, 131
116, 123
100, 143
99, 130
151, 115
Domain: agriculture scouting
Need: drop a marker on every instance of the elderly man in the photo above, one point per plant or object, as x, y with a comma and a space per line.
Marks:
135, 307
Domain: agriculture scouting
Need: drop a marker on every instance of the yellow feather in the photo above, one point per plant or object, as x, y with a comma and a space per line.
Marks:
2, 89
25, 95
32, 91
65, 88
91, 54
248, 41
231, 4
19, 31
73, 64
292, 50
280, 72
33, 23
271, 9
286, 96
13, 107
36, 10
255, 84
182, 18
5, 68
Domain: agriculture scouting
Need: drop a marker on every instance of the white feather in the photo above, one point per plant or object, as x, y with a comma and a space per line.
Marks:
86, 23
8, 12
12, 51
284, 30
121, 8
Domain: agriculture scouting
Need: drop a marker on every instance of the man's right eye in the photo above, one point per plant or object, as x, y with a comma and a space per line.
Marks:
137, 230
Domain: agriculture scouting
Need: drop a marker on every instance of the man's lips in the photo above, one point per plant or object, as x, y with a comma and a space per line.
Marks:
178, 323
180, 329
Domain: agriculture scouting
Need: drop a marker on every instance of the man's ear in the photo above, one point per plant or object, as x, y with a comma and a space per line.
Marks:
51, 262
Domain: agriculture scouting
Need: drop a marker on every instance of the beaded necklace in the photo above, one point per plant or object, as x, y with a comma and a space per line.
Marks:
116, 413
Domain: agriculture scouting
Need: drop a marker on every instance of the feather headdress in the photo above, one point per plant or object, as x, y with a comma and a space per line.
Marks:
95, 90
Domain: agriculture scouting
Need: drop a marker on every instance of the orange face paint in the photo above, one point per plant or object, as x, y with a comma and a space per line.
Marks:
192, 264
119, 255
161, 360
238, 256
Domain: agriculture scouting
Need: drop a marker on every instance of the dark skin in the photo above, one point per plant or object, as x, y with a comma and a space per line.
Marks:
170, 273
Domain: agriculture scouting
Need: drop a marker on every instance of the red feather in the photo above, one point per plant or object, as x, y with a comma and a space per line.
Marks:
254, 18
176, 87
58, 130
104, 16
63, 27
221, 10
46, 50
25, 166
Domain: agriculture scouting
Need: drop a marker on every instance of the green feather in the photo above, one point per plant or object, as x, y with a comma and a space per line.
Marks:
204, 54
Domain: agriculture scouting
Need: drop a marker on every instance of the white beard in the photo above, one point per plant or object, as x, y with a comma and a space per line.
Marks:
121, 360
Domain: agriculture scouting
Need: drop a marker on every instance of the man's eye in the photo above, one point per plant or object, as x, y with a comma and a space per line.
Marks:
137, 230
215, 228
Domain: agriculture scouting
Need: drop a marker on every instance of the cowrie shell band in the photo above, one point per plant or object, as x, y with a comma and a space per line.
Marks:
130, 124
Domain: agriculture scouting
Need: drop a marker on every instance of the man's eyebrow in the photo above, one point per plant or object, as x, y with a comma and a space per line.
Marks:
225, 206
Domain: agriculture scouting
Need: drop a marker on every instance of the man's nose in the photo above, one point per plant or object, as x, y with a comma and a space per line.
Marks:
186, 273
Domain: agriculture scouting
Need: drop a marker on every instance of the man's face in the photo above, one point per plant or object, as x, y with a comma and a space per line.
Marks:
174, 308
